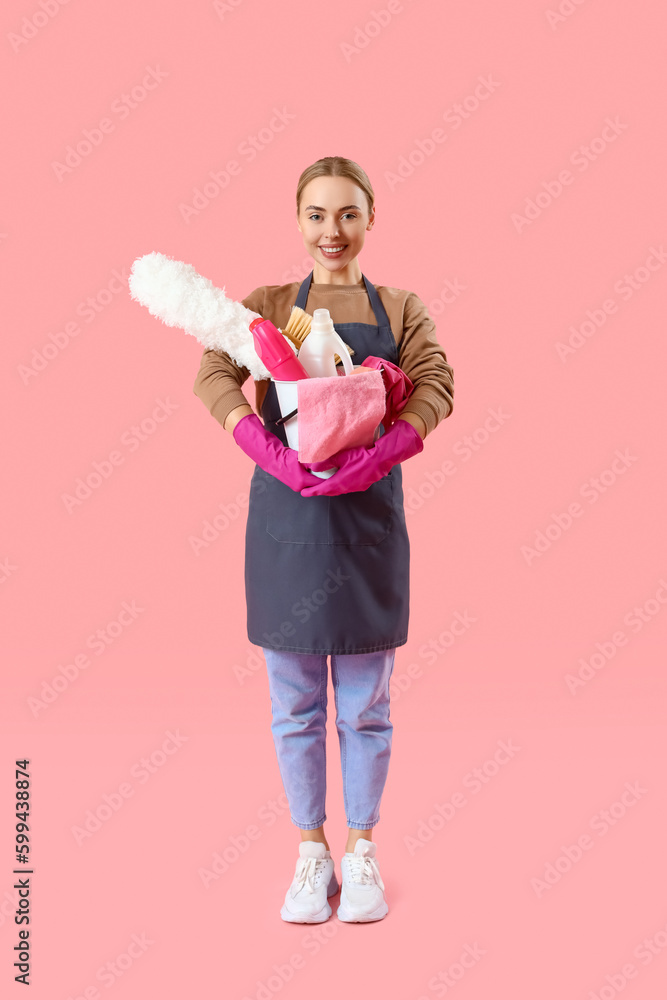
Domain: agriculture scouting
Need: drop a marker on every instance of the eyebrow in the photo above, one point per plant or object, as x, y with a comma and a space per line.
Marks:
319, 208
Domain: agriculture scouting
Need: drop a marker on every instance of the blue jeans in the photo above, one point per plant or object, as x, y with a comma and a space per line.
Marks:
298, 688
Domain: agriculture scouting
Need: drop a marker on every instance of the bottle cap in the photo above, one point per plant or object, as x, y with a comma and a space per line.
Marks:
322, 323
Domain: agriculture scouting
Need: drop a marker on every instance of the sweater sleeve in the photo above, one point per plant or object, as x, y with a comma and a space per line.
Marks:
424, 361
219, 379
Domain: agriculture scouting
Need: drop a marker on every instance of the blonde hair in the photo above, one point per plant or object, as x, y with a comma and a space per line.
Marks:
336, 166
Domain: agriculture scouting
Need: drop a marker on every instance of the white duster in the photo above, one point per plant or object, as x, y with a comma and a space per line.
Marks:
179, 296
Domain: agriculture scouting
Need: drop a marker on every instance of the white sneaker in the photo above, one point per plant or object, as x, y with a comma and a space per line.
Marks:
362, 893
314, 880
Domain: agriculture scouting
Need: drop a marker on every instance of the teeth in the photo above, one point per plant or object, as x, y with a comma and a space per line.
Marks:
332, 249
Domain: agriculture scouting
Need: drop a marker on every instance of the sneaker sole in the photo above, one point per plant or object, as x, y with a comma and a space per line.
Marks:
360, 918
313, 918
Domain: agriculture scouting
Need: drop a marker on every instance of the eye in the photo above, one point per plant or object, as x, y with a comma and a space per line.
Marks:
350, 215
315, 215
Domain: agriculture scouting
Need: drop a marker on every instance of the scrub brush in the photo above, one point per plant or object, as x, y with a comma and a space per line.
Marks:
298, 328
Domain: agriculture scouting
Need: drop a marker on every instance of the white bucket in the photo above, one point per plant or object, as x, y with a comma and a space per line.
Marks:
288, 401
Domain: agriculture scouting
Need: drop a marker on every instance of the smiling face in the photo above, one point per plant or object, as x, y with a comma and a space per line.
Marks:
333, 219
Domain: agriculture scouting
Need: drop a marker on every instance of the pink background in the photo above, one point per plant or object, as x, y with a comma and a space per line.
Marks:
371, 82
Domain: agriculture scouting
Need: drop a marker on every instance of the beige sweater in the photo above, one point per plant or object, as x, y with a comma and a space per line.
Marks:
420, 356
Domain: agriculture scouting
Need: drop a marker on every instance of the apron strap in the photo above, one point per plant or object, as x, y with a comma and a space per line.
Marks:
302, 294
376, 303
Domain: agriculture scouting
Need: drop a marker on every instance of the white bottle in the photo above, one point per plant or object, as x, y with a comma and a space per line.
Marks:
321, 344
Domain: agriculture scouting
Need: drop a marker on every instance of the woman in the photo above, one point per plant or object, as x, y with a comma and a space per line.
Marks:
327, 560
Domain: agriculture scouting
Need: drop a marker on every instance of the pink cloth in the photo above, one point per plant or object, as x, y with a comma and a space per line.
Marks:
397, 385
339, 412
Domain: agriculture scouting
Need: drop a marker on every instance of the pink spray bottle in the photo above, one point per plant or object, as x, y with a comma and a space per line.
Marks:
275, 352
286, 372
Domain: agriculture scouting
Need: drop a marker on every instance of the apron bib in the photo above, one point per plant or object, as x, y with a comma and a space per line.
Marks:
328, 574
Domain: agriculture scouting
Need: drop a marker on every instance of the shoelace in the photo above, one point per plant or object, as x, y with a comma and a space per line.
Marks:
364, 869
306, 875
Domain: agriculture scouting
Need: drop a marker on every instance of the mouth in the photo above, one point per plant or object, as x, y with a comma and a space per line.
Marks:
333, 250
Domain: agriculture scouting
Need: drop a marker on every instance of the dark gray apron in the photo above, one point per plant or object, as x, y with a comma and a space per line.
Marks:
329, 574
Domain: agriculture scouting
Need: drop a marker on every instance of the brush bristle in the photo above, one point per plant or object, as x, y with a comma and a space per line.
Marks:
298, 325
292, 339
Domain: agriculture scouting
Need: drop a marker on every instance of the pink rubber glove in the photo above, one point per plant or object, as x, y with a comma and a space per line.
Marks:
359, 468
270, 453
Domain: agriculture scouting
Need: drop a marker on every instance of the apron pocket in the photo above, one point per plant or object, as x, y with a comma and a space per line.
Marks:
363, 518
293, 518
